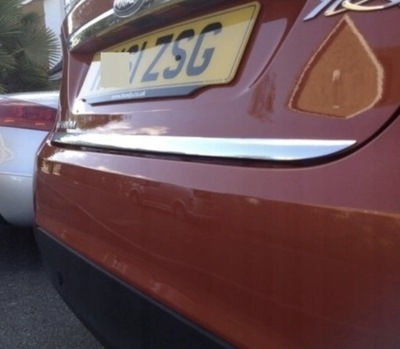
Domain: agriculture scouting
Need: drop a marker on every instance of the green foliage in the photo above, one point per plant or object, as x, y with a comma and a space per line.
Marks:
26, 49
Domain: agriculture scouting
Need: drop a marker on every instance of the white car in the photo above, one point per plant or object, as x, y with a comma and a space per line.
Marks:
25, 120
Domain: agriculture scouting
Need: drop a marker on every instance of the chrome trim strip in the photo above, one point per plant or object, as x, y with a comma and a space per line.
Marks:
228, 148
108, 21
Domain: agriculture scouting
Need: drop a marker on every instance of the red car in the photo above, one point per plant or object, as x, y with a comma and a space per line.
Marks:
275, 125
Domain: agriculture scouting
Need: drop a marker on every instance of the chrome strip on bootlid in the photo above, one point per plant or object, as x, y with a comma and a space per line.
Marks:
222, 148
108, 21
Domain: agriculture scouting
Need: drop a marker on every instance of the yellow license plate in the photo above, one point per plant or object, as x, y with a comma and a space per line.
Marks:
174, 61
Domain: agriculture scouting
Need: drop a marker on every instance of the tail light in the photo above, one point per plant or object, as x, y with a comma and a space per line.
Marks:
32, 111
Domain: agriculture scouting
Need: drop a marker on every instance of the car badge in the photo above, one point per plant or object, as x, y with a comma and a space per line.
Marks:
126, 8
334, 7
67, 125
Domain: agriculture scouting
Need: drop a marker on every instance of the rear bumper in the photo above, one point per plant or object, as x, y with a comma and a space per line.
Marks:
115, 312
299, 257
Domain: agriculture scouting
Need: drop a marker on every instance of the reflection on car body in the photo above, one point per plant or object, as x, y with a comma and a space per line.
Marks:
179, 201
281, 155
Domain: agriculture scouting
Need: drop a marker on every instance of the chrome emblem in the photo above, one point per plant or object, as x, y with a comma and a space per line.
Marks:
334, 7
67, 125
126, 8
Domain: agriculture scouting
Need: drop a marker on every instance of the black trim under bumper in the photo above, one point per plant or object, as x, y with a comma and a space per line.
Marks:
118, 315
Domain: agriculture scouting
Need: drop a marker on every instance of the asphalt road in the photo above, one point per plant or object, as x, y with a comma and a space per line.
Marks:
32, 315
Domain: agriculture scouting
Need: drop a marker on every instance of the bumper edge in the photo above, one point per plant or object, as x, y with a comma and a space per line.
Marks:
112, 310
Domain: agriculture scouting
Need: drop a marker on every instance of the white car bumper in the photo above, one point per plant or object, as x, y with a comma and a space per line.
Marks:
18, 148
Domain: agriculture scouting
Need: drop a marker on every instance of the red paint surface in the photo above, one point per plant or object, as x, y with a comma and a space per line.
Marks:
268, 256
